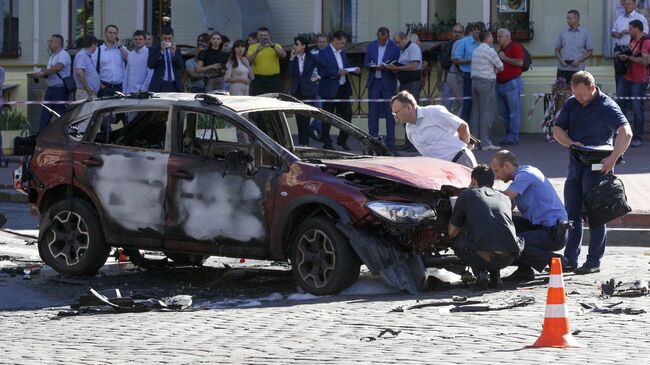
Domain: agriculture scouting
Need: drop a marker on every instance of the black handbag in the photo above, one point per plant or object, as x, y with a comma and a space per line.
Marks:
606, 201
24, 146
68, 83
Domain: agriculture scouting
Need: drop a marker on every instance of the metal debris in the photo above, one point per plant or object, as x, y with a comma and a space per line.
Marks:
636, 288
609, 309
384, 334
500, 304
455, 300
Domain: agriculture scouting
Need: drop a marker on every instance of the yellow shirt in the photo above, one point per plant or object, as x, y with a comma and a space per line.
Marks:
267, 62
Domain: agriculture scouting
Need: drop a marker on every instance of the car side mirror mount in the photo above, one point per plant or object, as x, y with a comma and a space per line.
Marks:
241, 157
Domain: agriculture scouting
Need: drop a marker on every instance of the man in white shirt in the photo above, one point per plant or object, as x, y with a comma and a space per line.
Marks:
621, 35
137, 76
110, 59
58, 68
433, 130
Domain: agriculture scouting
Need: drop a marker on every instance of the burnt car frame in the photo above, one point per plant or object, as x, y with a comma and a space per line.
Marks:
195, 175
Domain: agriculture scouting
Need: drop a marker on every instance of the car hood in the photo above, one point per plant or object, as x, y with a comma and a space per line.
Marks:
420, 172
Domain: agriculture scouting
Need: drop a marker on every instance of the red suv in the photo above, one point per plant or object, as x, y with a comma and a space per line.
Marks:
195, 175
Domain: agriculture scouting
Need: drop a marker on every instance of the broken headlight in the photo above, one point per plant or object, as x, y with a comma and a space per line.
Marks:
402, 213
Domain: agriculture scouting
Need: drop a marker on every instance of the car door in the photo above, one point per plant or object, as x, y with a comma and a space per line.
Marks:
220, 179
122, 161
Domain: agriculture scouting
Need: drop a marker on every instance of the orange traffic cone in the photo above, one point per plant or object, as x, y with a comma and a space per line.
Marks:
556, 331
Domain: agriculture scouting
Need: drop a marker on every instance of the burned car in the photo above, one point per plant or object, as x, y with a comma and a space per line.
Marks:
195, 175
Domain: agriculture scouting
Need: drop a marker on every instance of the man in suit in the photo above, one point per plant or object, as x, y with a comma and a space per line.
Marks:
303, 84
334, 84
382, 83
167, 64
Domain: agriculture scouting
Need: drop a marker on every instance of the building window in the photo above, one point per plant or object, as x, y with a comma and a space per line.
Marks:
513, 15
158, 16
337, 15
82, 20
9, 45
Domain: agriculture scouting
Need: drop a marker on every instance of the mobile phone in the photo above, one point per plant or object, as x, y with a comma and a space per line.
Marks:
568, 62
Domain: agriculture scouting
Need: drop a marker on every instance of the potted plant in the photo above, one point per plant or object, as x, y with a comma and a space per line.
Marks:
523, 31
14, 124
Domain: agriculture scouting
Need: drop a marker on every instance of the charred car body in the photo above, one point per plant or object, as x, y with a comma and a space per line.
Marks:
195, 175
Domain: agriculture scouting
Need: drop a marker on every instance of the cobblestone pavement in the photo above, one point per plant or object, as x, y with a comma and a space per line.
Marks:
337, 329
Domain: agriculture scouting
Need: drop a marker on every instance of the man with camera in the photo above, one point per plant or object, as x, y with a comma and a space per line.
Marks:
572, 47
167, 64
621, 34
635, 80
543, 222
265, 58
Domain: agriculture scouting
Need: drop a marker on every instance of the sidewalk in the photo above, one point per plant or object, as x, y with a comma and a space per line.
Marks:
533, 149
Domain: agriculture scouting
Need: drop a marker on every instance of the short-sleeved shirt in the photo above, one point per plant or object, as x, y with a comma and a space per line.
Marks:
190, 65
211, 56
267, 61
435, 132
512, 50
62, 57
84, 61
593, 125
636, 72
465, 50
487, 216
573, 44
537, 200
411, 53
484, 61
623, 23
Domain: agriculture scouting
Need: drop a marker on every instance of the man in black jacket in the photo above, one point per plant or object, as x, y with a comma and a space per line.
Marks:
167, 64
488, 241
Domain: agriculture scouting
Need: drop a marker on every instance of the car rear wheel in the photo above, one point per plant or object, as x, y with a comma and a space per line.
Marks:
322, 260
71, 238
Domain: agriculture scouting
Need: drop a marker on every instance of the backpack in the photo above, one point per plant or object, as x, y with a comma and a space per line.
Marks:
445, 55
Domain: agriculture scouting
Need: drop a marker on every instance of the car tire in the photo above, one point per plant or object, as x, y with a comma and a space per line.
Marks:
71, 238
322, 260
182, 259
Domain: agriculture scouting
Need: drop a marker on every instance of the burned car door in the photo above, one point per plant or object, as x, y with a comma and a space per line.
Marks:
219, 178
122, 160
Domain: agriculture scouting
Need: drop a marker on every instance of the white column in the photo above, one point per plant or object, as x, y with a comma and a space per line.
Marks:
37, 35
65, 20
424, 11
318, 16
139, 15
486, 11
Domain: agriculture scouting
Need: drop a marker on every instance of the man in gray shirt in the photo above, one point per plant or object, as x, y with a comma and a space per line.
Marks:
58, 68
572, 48
488, 241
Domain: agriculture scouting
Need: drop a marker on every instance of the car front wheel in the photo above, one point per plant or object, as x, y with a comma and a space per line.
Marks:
322, 260
71, 238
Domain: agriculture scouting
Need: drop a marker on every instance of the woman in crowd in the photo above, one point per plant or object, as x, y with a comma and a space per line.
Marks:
212, 62
238, 70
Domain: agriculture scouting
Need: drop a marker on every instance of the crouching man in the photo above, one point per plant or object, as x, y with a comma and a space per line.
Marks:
543, 221
487, 241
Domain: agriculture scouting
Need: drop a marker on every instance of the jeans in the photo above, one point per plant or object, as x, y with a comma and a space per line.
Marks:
53, 94
482, 116
466, 112
580, 180
376, 91
510, 107
631, 88
463, 249
539, 244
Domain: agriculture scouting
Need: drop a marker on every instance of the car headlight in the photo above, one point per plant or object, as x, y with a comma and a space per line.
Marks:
402, 212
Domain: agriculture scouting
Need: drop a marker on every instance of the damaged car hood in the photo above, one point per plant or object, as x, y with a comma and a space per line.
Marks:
420, 172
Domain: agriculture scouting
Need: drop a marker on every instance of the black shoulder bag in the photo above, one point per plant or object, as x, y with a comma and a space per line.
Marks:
606, 201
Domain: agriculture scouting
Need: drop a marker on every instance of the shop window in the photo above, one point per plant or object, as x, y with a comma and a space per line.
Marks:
339, 15
158, 16
82, 20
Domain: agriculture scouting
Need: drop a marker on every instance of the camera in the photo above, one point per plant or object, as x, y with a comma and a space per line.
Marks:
625, 50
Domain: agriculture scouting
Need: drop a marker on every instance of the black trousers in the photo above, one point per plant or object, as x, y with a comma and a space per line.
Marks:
168, 87
463, 249
565, 75
265, 85
343, 110
303, 121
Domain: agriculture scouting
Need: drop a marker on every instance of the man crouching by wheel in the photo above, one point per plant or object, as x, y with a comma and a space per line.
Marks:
482, 229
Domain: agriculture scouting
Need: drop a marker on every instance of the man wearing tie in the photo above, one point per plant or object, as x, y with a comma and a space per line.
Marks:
167, 64
382, 83
334, 84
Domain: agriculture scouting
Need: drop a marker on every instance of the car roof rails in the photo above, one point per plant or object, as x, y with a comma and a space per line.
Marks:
281, 96
141, 95
219, 92
208, 98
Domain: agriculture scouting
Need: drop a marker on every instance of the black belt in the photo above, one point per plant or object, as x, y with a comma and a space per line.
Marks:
112, 86
458, 155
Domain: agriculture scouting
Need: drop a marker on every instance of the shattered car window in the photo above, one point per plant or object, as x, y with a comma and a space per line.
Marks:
211, 135
77, 128
141, 128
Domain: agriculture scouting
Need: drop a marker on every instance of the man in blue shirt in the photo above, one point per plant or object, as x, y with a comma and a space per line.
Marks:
462, 58
589, 118
541, 213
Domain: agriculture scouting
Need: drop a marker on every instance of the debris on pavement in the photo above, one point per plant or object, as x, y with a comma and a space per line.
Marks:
25, 270
455, 300
635, 288
494, 305
112, 301
609, 309
384, 334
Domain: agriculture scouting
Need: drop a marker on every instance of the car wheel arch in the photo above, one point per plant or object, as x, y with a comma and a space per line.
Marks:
302, 209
